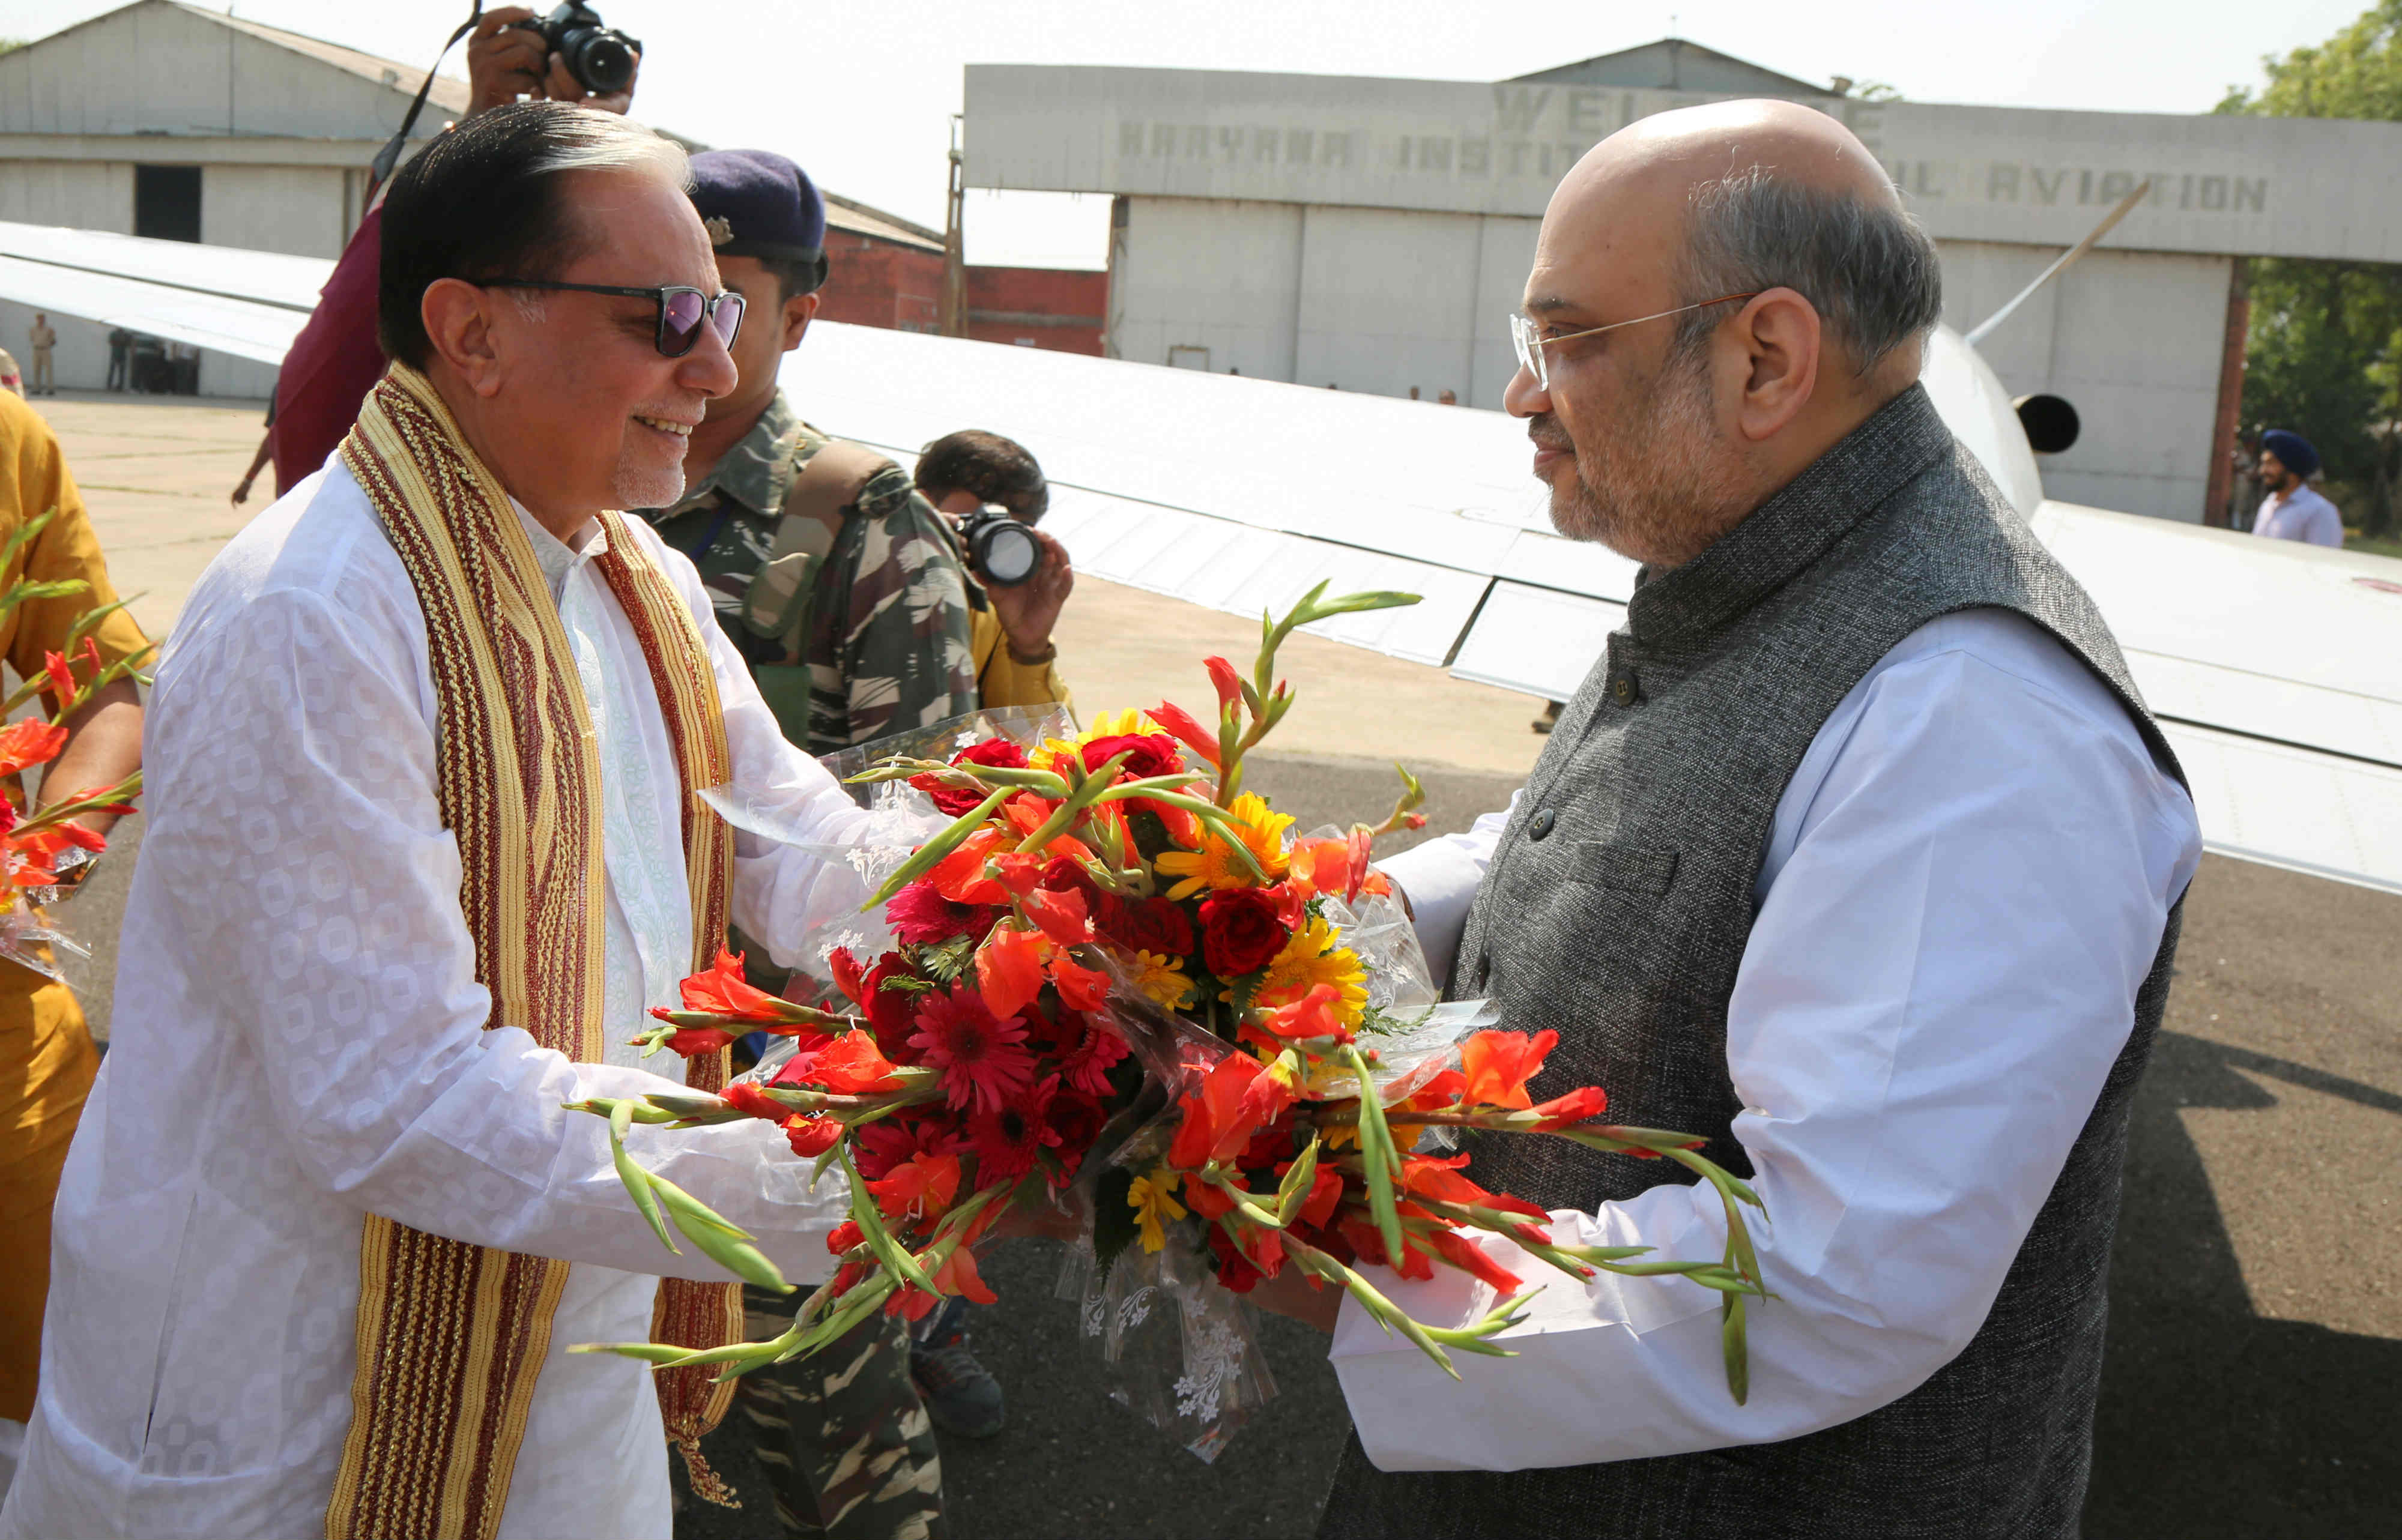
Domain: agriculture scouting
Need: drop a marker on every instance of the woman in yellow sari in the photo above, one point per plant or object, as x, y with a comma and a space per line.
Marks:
47, 1058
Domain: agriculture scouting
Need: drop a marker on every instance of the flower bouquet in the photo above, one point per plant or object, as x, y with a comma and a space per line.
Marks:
42, 854
1116, 971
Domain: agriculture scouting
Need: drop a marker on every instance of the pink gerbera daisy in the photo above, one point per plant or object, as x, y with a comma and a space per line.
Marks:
921, 917
982, 1059
1085, 1058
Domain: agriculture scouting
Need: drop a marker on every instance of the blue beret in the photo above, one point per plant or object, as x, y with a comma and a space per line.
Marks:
2293, 451
756, 203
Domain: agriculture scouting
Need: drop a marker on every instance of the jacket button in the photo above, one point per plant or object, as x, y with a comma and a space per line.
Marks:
1623, 691
1540, 824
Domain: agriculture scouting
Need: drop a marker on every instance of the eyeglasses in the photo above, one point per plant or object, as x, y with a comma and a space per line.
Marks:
682, 309
1531, 346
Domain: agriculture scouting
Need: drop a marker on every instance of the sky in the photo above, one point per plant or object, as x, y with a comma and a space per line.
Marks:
861, 94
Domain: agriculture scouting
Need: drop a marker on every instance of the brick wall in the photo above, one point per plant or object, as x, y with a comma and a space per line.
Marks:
872, 283
1039, 307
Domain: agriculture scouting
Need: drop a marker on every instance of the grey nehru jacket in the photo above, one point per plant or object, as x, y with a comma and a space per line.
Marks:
1616, 912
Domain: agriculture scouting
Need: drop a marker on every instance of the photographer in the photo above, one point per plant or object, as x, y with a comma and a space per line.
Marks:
967, 476
335, 361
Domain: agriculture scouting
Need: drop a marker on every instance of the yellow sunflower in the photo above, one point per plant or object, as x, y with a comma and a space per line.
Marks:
1311, 958
1159, 978
1216, 864
1153, 1198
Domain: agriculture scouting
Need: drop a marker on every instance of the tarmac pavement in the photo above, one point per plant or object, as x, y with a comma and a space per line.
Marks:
2255, 1354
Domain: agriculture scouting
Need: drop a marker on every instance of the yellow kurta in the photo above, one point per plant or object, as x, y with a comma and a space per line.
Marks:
46, 1059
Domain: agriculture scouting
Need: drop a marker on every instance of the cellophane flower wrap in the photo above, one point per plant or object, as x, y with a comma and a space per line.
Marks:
1110, 979
43, 854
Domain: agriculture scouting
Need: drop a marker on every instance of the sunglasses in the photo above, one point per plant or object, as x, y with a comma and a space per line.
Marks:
682, 309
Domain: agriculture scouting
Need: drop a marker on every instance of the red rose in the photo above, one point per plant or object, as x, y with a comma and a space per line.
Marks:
1157, 926
1148, 754
1240, 931
892, 1013
956, 799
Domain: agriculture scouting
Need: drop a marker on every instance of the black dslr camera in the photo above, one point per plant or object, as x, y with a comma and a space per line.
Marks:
1001, 551
600, 57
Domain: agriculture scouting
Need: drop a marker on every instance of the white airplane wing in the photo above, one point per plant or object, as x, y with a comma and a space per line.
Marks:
249, 304
2268, 663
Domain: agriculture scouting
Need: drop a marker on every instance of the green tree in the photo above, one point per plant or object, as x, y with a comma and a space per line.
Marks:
2325, 355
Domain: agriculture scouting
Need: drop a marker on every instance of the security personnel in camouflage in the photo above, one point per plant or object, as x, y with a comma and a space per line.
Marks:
845, 593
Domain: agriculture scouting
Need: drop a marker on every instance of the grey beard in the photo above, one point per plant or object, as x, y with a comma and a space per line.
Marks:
1664, 502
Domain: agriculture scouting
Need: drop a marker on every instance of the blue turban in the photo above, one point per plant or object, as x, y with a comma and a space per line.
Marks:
2293, 451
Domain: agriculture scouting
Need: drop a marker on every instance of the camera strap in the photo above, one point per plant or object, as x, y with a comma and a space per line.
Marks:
389, 157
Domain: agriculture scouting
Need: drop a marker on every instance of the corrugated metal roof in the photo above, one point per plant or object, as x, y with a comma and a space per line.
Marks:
450, 94
848, 213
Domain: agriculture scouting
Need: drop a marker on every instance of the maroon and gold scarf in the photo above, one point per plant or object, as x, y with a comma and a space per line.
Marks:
451, 1336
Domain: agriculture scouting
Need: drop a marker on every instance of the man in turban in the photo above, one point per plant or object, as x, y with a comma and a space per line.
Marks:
2293, 510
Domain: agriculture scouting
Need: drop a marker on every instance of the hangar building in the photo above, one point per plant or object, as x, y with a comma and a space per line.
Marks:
1374, 234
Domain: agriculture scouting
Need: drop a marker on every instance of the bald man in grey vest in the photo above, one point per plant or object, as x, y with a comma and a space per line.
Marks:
1858, 854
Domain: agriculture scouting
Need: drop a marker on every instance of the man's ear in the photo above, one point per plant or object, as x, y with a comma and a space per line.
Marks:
1779, 336
458, 319
799, 312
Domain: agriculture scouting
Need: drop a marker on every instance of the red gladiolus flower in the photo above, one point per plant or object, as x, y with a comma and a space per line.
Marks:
844, 1236
29, 742
1214, 1126
849, 976
848, 1066
1081, 988
723, 992
920, 1188
1006, 1140
746, 1096
1236, 1272
879, 1147
1223, 679
1156, 926
1060, 915
811, 1137
958, 1275
1325, 1191
1582, 1105
1182, 724
692, 1041
960, 875
1466, 1256
921, 917
63, 679
1313, 1015
1441, 1091
982, 1058
1009, 970
1240, 931
1498, 1065
911, 1304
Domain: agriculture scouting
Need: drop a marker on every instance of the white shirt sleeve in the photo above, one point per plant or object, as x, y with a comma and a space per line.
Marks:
1967, 884
300, 842
1440, 877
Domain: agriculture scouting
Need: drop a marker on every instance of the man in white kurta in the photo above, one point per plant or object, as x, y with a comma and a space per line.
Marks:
300, 1041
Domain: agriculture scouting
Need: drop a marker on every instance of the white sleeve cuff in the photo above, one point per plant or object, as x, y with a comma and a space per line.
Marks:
1440, 877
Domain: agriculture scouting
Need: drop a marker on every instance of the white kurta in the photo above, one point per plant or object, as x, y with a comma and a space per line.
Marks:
1966, 883
298, 1040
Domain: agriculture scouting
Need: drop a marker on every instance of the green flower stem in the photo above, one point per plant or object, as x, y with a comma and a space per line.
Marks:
1042, 782
1071, 810
932, 853
637, 1181
878, 1104
1383, 1161
1217, 819
870, 1220
1429, 1341
75, 807
724, 1243
1246, 1202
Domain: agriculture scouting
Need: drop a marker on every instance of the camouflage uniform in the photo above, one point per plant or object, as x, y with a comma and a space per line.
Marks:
862, 630
853, 615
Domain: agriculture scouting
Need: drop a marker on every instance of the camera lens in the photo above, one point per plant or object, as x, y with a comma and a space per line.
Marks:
1006, 553
601, 60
